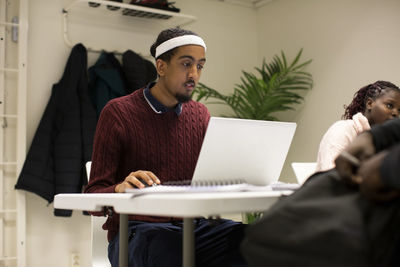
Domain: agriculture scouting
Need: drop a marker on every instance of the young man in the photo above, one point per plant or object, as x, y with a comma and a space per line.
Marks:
154, 135
371, 162
378, 153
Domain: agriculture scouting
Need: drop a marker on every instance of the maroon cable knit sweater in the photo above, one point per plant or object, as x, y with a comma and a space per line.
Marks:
130, 136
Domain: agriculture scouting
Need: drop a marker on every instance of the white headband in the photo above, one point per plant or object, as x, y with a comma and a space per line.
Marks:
179, 41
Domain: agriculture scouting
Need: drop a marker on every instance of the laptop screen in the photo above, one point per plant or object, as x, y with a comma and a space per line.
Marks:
252, 151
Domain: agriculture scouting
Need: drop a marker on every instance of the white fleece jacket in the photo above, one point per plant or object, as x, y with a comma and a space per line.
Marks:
338, 136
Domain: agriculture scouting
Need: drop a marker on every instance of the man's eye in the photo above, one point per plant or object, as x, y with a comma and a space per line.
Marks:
389, 106
200, 67
186, 64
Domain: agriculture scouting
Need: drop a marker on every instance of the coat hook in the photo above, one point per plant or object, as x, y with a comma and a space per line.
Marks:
5, 125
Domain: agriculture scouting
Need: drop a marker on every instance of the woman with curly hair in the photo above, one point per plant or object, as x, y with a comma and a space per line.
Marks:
372, 104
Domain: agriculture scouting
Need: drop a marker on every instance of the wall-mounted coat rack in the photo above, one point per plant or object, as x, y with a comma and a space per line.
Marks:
113, 11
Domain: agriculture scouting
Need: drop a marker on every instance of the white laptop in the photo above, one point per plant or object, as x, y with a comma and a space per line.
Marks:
237, 153
252, 151
303, 170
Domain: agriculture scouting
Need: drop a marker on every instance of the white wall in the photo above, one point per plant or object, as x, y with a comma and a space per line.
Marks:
230, 34
352, 43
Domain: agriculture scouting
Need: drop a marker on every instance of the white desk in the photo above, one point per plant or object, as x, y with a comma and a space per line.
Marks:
186, 205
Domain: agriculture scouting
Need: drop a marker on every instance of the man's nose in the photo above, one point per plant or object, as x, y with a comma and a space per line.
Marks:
194, 73
395, 113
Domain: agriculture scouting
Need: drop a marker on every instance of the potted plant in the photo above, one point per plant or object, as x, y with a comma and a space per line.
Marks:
277, 89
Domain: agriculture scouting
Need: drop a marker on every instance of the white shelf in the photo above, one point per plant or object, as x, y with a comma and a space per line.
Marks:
8, 258
11, 116
110, 13
8, 211
5, 23
247, 3
9, 163
9, 70
126, 9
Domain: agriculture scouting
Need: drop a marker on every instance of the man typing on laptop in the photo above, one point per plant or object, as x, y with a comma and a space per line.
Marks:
154, 135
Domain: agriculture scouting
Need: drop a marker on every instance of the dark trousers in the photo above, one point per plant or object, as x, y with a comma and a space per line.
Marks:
160, 244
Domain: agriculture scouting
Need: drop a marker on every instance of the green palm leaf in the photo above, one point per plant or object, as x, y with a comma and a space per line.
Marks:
277, 89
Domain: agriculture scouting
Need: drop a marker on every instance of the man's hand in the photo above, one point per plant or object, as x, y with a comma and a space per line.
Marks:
136, 180
371, 184
361, 148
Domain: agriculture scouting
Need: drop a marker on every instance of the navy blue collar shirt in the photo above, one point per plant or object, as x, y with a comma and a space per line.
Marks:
156, 105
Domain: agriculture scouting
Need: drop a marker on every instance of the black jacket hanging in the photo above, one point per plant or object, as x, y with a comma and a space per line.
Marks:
63, 140
138, 71
106, 80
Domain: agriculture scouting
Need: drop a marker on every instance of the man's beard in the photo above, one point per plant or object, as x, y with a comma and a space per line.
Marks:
183, 98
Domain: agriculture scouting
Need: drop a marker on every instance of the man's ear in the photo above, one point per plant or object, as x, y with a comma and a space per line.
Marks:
161, 67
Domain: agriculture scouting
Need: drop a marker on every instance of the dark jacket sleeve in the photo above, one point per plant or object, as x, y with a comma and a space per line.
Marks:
54, 163
390, 168
37, 174
386, 135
